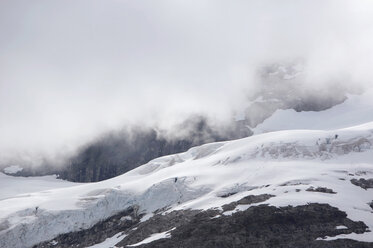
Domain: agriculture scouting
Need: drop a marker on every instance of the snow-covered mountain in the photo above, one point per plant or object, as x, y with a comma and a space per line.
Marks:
357, 109
323, 177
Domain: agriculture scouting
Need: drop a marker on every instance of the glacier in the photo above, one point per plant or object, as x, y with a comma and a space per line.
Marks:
283, 163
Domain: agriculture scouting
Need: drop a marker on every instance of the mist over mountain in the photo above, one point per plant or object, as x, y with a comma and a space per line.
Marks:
118, 151
72, 71
171, 123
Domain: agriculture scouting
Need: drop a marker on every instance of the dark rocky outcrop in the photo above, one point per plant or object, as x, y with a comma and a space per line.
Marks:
363, 183
265, 226
122, 221
258, 226
321, 190
250, 199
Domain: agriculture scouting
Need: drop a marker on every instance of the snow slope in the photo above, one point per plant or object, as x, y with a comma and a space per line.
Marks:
153, 237
12, 186
110, 242
356, 110
278, 163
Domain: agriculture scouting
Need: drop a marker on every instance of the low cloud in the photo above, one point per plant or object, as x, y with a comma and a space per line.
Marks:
71, 70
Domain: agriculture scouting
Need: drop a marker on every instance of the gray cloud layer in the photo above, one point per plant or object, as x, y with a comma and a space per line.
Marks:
72, 69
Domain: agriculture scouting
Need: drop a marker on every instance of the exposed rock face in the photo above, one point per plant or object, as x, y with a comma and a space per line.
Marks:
96, 234
321, 190
363, 183
264, 226
258, 226
250, 199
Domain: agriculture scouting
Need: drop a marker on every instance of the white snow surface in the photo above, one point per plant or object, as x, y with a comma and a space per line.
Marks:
341, 227
110, 242
12, 186
153, 237
356, 110
274, 163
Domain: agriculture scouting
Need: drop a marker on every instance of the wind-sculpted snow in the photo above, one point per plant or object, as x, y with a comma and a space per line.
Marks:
294, 167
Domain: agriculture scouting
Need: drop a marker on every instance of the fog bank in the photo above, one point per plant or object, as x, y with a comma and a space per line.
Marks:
71, 70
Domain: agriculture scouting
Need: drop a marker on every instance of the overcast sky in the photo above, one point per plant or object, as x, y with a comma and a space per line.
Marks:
70, 69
